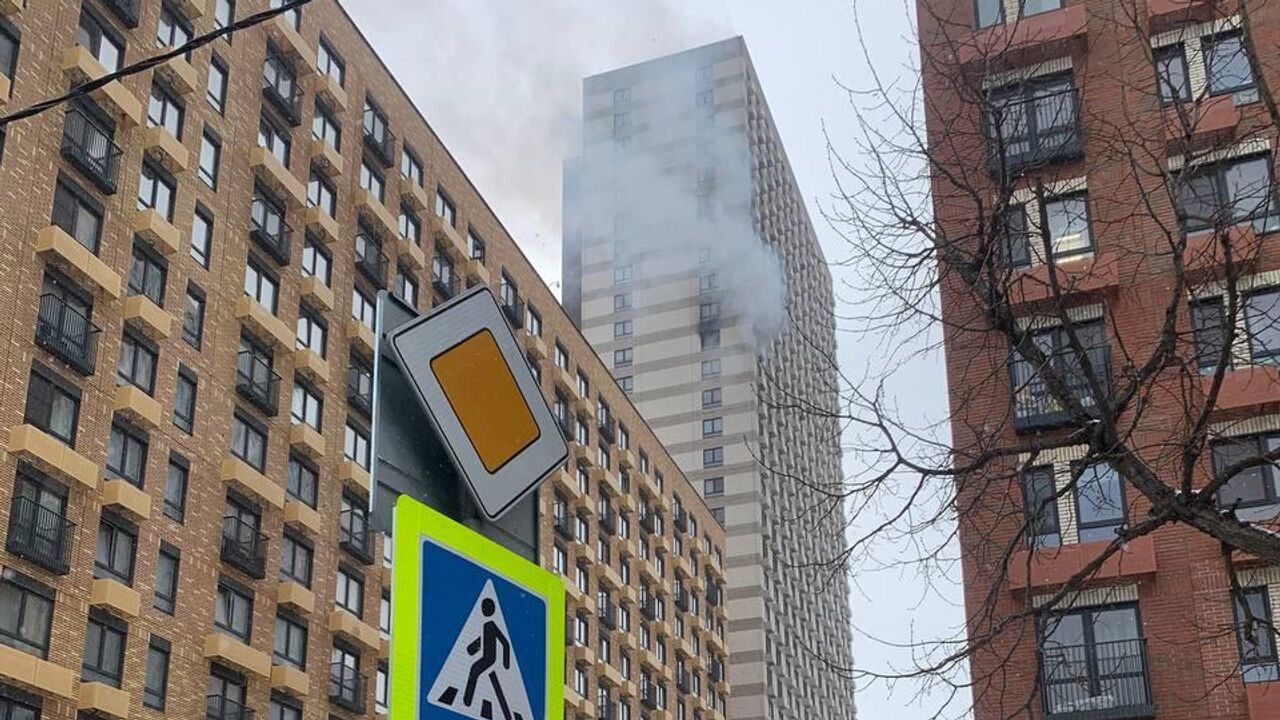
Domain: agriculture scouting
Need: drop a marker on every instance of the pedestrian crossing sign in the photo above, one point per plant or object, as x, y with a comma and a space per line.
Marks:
477, 631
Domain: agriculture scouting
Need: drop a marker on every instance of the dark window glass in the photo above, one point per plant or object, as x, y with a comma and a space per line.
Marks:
155, 191
303, 481
53, 405
104, 650
117, 546
1034, 121
147, 274
137, 364
1210, 332
210, 159
1262, 316
1171, 75
157, 680
127, 454
1227, 64
249, 442
193, 317
27, 613
1099, 502
234, 611
216, 87
175, 489
295, 560
100, 40
1092, 657
1229, 193
291, 642
1257, 636
165, 110
201, 236
1041, 506
1253, 486
350, 591
166, 598
78, 215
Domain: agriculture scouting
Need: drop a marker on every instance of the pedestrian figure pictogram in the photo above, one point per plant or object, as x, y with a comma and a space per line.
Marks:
482, 673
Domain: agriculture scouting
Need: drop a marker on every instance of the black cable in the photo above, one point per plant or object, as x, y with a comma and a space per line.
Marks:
197, 42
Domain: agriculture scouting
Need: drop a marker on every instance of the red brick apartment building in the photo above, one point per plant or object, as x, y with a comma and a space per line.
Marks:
187, 536
1102, 180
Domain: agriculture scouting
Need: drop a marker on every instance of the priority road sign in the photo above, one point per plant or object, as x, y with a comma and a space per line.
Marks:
477, 631
468, 371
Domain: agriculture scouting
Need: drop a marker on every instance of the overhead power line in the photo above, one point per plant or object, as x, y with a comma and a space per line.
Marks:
197, 42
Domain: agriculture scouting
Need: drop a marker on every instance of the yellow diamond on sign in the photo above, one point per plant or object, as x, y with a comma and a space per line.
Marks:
483, 393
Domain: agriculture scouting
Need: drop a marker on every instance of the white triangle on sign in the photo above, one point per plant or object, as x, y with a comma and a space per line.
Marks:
481, 677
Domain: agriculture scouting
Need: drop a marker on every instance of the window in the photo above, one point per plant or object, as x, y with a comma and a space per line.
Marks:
371, 180
303, 481
1262, 317
315, 261
210, 156
275, 139
175, 488
711, 368
561, 357
627, 384
28, 613
98, 38
1227, 64
708, 282
376, 132
311, 334
712, 397
584, 387
445, 209
1039, 493
233, 611
1033, 402
712, 457
1256, 637
1092, 657
622, 301
713, 487
363, 308
320, 193
224, 13
350, 591
201, 236
294, 15
282, 707
53, 405
1066, 220
216, 87
1100, 506
137, 365
712, 427
157, 679
410, 227
77, 214
709, 339
411, 166
291, 641
1228, 193
193, 317
381, 690
117, 543
184, 401
308, 406
261, 286
325, 127
1209, 330
166, 591
533, 321
622, 357
475, 246
127, 454
155, 191
147, 274
296, 559
1254, 486
165, 110
1034, 121
1035, 7
104, 649
249, 442
355, 445
329, 63
1172, 82
407, 286
623, 328
622, 273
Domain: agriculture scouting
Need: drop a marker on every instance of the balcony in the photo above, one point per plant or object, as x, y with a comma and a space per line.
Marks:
80, 66
290, 43
1101, 681
346, 688
514, 311
649, 523
164, 148
54, 242
1173, 12
563, 525
713, 595
277, 176
715, 671
258, 383
1061, 140
280, 88
370, 260
683, 681
354, 535
649, 698
360, 390
608, 429
1192, 123
264, 324
682, 600
607, 613
649, 607
268, 228
1035, 32
1035, 408
378, 138
1090, 273
1048, 567
40, 535
680, 518
218, 707
608, 521
90, 149
69, 335
442, 286
244, 547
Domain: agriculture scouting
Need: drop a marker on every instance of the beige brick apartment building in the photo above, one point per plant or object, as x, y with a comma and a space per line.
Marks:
187, 536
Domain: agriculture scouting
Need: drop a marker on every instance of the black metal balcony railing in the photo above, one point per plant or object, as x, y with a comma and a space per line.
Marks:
269, 230
354, 535
346, 687
443, 285
566, 426
713, 595
563, 524
1102, 681
649, 523
126, 10
605, 711
608, 429
682, 600
1034, 405
370, 260
218, 707
680, 518
244, 547
360, 389
1035, 132
683, 681
64, 331
378, 137
40, 535
608, 520
258, 383
88, 147
608, 614
649, 697
715, 671
649, 607
514, 311
280, 87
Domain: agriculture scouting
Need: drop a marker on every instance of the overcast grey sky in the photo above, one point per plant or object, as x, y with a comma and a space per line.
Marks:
500, 81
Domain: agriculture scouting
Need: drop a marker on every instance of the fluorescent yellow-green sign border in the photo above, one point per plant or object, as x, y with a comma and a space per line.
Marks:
414, 521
